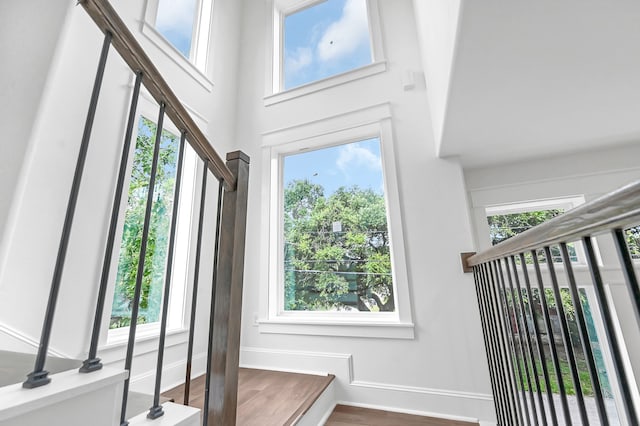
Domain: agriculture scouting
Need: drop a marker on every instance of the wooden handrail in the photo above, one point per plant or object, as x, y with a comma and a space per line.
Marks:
107, 19
618, 209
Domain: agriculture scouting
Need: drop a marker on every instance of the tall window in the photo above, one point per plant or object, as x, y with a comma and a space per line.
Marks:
156, 254
336, 239
185, 24
176, 22
325, 39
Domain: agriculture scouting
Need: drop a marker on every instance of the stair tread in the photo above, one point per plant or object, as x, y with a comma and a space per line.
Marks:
14, 366
265, 397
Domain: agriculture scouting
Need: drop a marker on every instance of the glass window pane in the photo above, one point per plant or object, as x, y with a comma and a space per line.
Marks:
336, 240
156, 255
175, 21
633, 241
505, 226
324, 40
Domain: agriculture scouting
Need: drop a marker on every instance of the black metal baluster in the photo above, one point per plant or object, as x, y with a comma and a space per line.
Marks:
196, 280
612, 338
513, 380
493, 340
503, 361
552, 342
141, 264
566, 338
507, 344
521, 376
92, 363
627, 268
484, 326
156, 409
39, 376
214, 282
584, 336
527, 341
536, 328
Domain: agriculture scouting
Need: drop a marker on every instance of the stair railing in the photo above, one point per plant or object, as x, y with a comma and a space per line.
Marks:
226, 300
518, 364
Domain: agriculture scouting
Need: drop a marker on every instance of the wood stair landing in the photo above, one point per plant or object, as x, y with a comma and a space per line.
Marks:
265, 398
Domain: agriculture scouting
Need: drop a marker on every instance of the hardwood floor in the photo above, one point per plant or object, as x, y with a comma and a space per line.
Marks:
265, 398
273, 398
344, 415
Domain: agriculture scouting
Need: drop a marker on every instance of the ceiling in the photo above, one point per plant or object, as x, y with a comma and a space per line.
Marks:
538, 78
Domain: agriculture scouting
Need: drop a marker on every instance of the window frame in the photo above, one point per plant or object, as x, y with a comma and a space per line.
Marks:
196, 65
273, 317
182, 269
563, 203
274, 84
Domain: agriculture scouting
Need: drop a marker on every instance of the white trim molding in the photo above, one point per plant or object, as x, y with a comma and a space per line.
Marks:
326, 83
372, 329
23, 342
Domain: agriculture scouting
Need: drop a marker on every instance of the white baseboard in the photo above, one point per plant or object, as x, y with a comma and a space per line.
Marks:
16, 341
442, 403
412, 412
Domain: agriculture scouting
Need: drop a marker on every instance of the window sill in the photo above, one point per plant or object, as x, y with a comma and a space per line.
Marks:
326, 83
156, 38
342, 328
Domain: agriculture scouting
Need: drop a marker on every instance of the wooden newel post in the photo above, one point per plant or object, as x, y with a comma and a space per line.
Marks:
225, 351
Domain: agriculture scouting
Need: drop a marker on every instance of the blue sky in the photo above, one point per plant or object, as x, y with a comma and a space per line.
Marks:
326, 39
357, 163
320, 41
175, 21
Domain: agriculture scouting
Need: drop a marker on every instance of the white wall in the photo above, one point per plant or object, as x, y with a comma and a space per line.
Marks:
45, 173
437, 23
443, 369
22, 81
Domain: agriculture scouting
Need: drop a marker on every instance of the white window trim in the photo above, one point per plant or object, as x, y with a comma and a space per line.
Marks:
196, 65
350, 127
326, 83
182, 271
563, 203
274, 80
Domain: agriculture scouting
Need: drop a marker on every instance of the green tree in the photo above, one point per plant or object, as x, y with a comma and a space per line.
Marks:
633, 241
505, 226
343, 268
156, 254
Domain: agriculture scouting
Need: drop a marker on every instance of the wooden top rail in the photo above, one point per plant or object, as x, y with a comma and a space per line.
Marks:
107, 19
618, 209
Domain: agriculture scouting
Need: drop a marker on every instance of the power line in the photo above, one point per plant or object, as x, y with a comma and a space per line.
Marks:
336, 272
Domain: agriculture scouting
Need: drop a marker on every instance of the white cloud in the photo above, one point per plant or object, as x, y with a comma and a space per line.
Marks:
345, 35
176, 15
299, 59
352, 155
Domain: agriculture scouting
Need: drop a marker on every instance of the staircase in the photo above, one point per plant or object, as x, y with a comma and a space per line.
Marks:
93, 391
